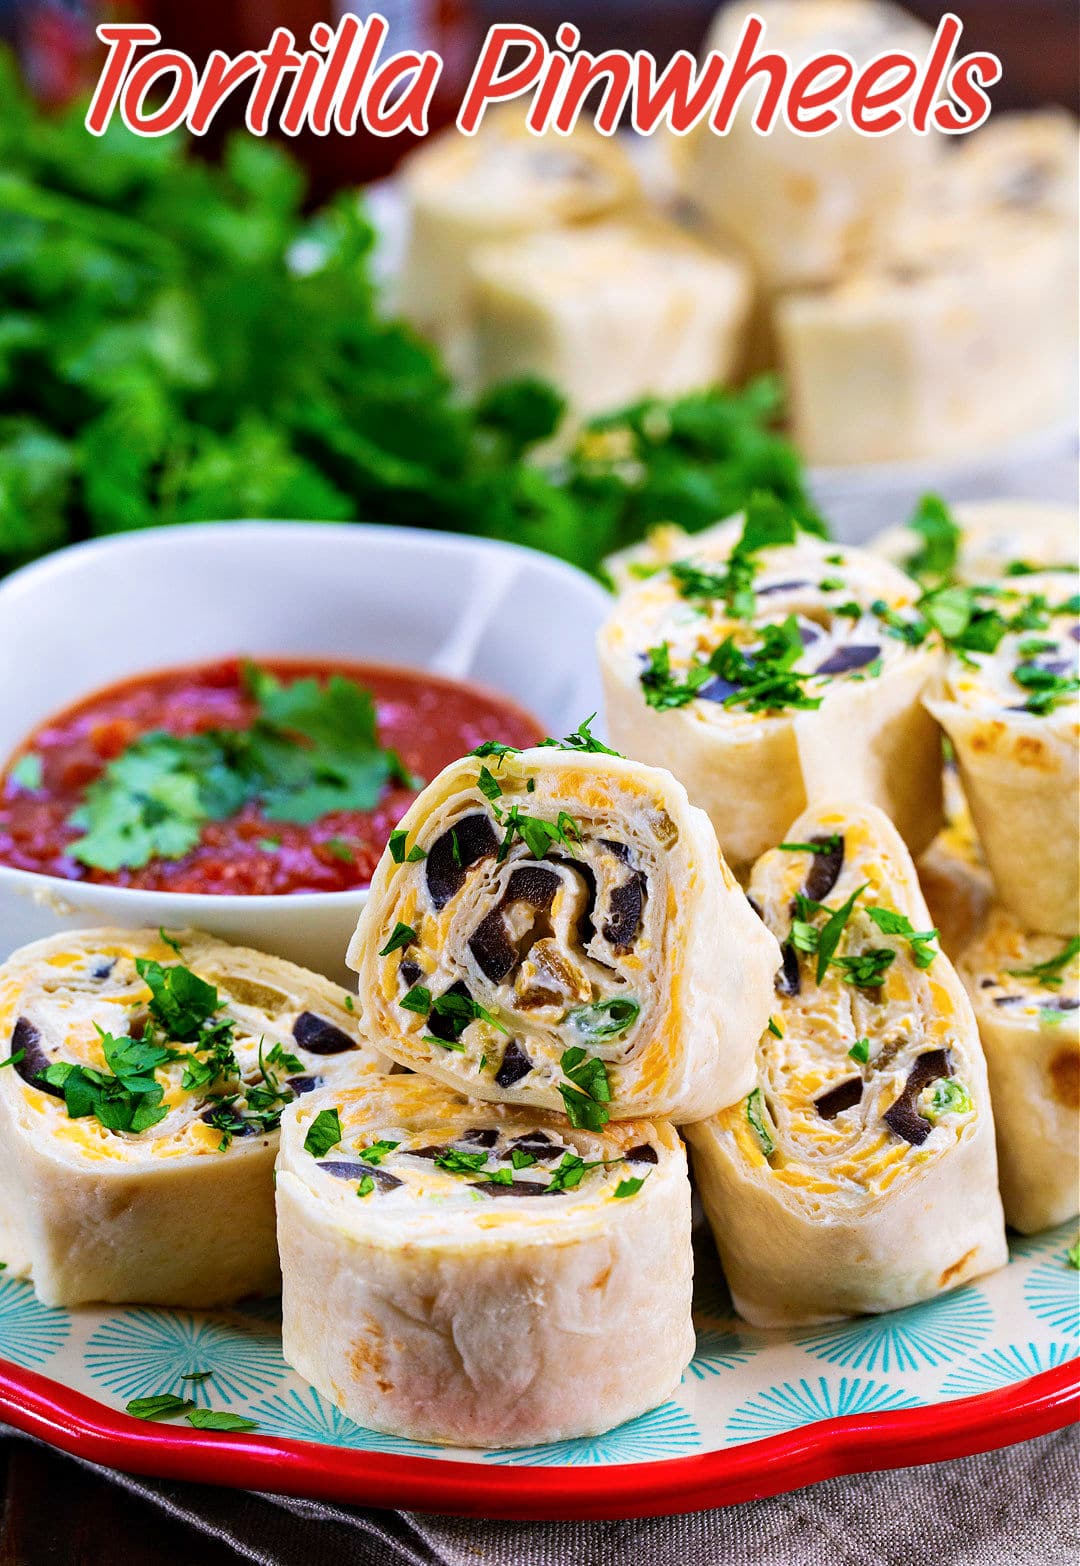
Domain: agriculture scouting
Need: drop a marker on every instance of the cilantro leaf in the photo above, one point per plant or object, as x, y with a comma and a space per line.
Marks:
940, 536
323, 1133
1052, 971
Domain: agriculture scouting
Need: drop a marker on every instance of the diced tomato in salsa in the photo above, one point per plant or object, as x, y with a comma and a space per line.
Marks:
428, 720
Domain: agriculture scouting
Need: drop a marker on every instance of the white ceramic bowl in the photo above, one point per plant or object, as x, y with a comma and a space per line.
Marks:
505, 617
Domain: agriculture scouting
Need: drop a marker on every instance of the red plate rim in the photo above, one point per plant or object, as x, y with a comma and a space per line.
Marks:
856, 1443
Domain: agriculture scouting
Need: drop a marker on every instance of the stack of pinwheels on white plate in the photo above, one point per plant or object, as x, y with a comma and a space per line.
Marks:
569, 959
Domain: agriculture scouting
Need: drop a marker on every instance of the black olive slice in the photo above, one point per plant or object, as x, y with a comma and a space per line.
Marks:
903, 1118
845, 1095
301, 1085
103, 970
34, 1062
410, 972
515, 1065
470, 839
320, 1037
480, 1136
530, 1136
642, 1155
620, 850
534, 885
427, 1152
788, 978
717, 690
1059, 1003
494, 951
348, 1169
845, 659
513, 1188
224, 1117
825, 869
625, 904
779, 587
1008, 1000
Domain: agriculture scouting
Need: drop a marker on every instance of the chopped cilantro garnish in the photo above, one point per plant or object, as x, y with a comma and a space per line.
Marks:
323, 1133
396, 845
1052, 970
1047, 689
165, 1406
377, 1151
827, 845
521, 1159
775, 1029
765, 677
219, 1419
940, 535
893, 923
866, 970
833, 929
663, 690
1072, 1255
181, 1003
454, 1161
913, 631
417, 999
340, 850
755, 1114
587, 1090
860, 1051
463, 1009
365, 1185
572, 1169
494, 748
538, 835
196, 1375
126, 1098
488, 785
830, 584
583, 739
13, 1060
629, 1187
606, 1019
401, 937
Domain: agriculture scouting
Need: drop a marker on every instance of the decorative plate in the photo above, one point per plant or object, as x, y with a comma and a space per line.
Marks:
758, 1412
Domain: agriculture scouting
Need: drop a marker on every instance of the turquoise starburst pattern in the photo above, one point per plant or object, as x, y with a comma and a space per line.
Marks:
30, 1332
302, 1415
1001, 1367
932, 1333
144, 1352
667, 1432
1052, 1291
1022, 1246
803, 1402
718, 1351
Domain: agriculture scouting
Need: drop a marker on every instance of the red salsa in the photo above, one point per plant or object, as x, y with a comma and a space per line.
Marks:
427, 720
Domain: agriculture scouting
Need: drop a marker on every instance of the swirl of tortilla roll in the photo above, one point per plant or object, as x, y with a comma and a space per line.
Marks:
859, 1175
767, 675
1012, 715
478, 1274
562, 932
1026, 993
139, 1112
998, 538
953, 873
466, 191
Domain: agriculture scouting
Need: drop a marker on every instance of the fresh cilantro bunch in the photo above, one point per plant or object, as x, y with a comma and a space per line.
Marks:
180, 341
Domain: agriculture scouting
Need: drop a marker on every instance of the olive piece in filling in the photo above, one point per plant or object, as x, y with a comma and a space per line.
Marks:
348, 1169
624, 920
320, 1037
495, 953
480, 1136
644, 1154
825, 869
845, 1095
470, 839
448, 1026
515, 1065
514, 1188
33, 1061
301, 1085
846, 659
788, 978
903, 1118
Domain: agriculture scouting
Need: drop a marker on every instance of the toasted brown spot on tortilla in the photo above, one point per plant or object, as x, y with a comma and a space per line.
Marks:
957, 1269
1064, 1073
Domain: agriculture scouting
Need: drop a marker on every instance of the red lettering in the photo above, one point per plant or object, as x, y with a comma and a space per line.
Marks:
870, 104
123, 38
587, 70
803, 98
162, 62
488, 86
374, 37
945, 41
347, 34
969, 76
273, 62
677, 93
740, 74
219, 79
410, 111
292, 118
